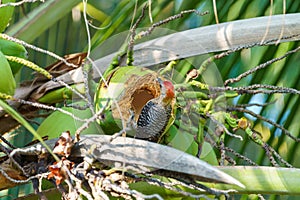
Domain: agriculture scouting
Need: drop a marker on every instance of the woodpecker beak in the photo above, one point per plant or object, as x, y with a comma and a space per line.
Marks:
160, 82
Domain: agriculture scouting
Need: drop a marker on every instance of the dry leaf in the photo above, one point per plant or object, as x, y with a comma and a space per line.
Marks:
64, 144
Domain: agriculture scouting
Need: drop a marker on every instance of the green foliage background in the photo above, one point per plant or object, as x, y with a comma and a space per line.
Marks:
60, 29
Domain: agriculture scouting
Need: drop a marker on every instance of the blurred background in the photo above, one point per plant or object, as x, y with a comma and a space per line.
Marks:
58, 26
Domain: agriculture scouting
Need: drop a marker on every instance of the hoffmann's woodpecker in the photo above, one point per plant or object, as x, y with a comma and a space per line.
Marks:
156, 113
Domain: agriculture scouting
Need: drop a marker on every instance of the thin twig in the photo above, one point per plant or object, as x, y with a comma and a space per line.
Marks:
47, 107
259, 67
200, 187
15, 4
18, 181
114, 101
7, 142
88, 121
87, 68
278, 156
285, 131
7, 37
84, 3
72, 89
215, 11
87, 74
204, 65
222, 152
167, 20
260, 196
269, 155
255, 104
144, 196
223, 127
169, 186
240, 156
132, 36
271, 89
230, 160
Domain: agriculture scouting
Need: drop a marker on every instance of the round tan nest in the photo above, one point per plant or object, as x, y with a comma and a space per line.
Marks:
138, 91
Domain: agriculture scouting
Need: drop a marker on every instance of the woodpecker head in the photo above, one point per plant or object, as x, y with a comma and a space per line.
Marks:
167, 90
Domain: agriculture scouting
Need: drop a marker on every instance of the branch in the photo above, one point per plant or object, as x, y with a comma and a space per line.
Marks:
143, 156
137, 153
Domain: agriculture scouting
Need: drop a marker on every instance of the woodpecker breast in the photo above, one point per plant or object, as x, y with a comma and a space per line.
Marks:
153, 120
